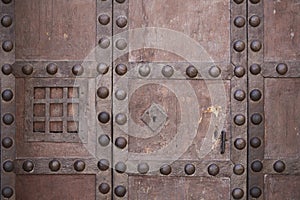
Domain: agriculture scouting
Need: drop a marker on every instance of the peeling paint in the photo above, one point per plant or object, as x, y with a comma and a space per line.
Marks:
214, 109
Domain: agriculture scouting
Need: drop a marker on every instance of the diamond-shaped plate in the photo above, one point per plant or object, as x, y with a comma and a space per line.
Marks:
154, 117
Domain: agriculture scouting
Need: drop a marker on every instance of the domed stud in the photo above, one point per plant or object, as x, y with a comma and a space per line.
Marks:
256, 166
103, 164
6, 21
121, 44
28, 166
214, 71
237, 193
7, 142
102, 68
255, 69
120, 167
104, 19
77, 70
191, 71
255, 95
144, 70
255, 192
54, 165
213, 169
7, 192
104, 140
104, 42
120, 191
52, 68
281, 68
79, 165
255, 45
8, 166
239, 119
239, 46
240, 143
7, 95
121, 21
143, 168
102, 92
6, 69
121, 69
254, 1
279, 166
120, 94
121, 142
238, 1
254, 20
120, 1
165, 169
27, 69
239, 95
103, 117
121, 119
256, 118
7, 46
239, 21
189, 169
239, 71
167, 71
238, 169
255, 142
104, 188
8, 119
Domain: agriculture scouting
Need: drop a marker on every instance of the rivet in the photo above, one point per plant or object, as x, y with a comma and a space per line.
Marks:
254, 1
240, 143
121, 142
8, 119
103, 140
8, 166
6, 1
191, 71
255, 69
54, 165
167, 71
104, 188
7, 142
255, 95
7, 192
52, 68
6, 21
77, 70
104, 42
104, 19
239, 71
254, 20
279, 166
102, 68
7, 95
121, 21
213, 169
121, 119
120, 191
239, 95
256, 118
238, 1
103, 164
143, 168
121, 44
214, 71
144, 70
102, 92
239, 46
7, 46
120, 167
121, 69
281, 68
256, 166
120, 1
239, 21
239, 119
28, 166
27, 69
237, 193
189, 169
120, 94
255, 192
238, 169
103, 117
6, 69
255, 142
79, 165
165, 169
255, 45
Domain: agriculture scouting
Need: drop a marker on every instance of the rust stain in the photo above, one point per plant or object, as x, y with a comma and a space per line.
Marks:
213, 109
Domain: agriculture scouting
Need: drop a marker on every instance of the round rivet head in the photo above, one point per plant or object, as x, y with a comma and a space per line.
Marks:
104, 188
189, 169
121, 44
238, 169
121, 142
240, 143
104, 19
239, 71
7, 142
239, 95
54, 165
8, 119
7, 46
102, 68
103, 164
256, 166
165, 169
103, 117
7, 192
52, 68
103, 140
121, 69
8, 166
102, 92
213, 169
214, 71
255, 45
191, 71
239, 119
256, 118
121, 119
28, 166
281, 68
6, 21
238, 1
121, 21
255, 69
255, 142
167, 71
254, 1
239, 21
254, 21
6, 69
144, 70
27, 69
120, 1
255, 95
104, 42
120, 167
237, 193
77, 70
279, 166
79, 165
120, 191
143, 168
7, 95
120, 94
255, 192
239, 46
